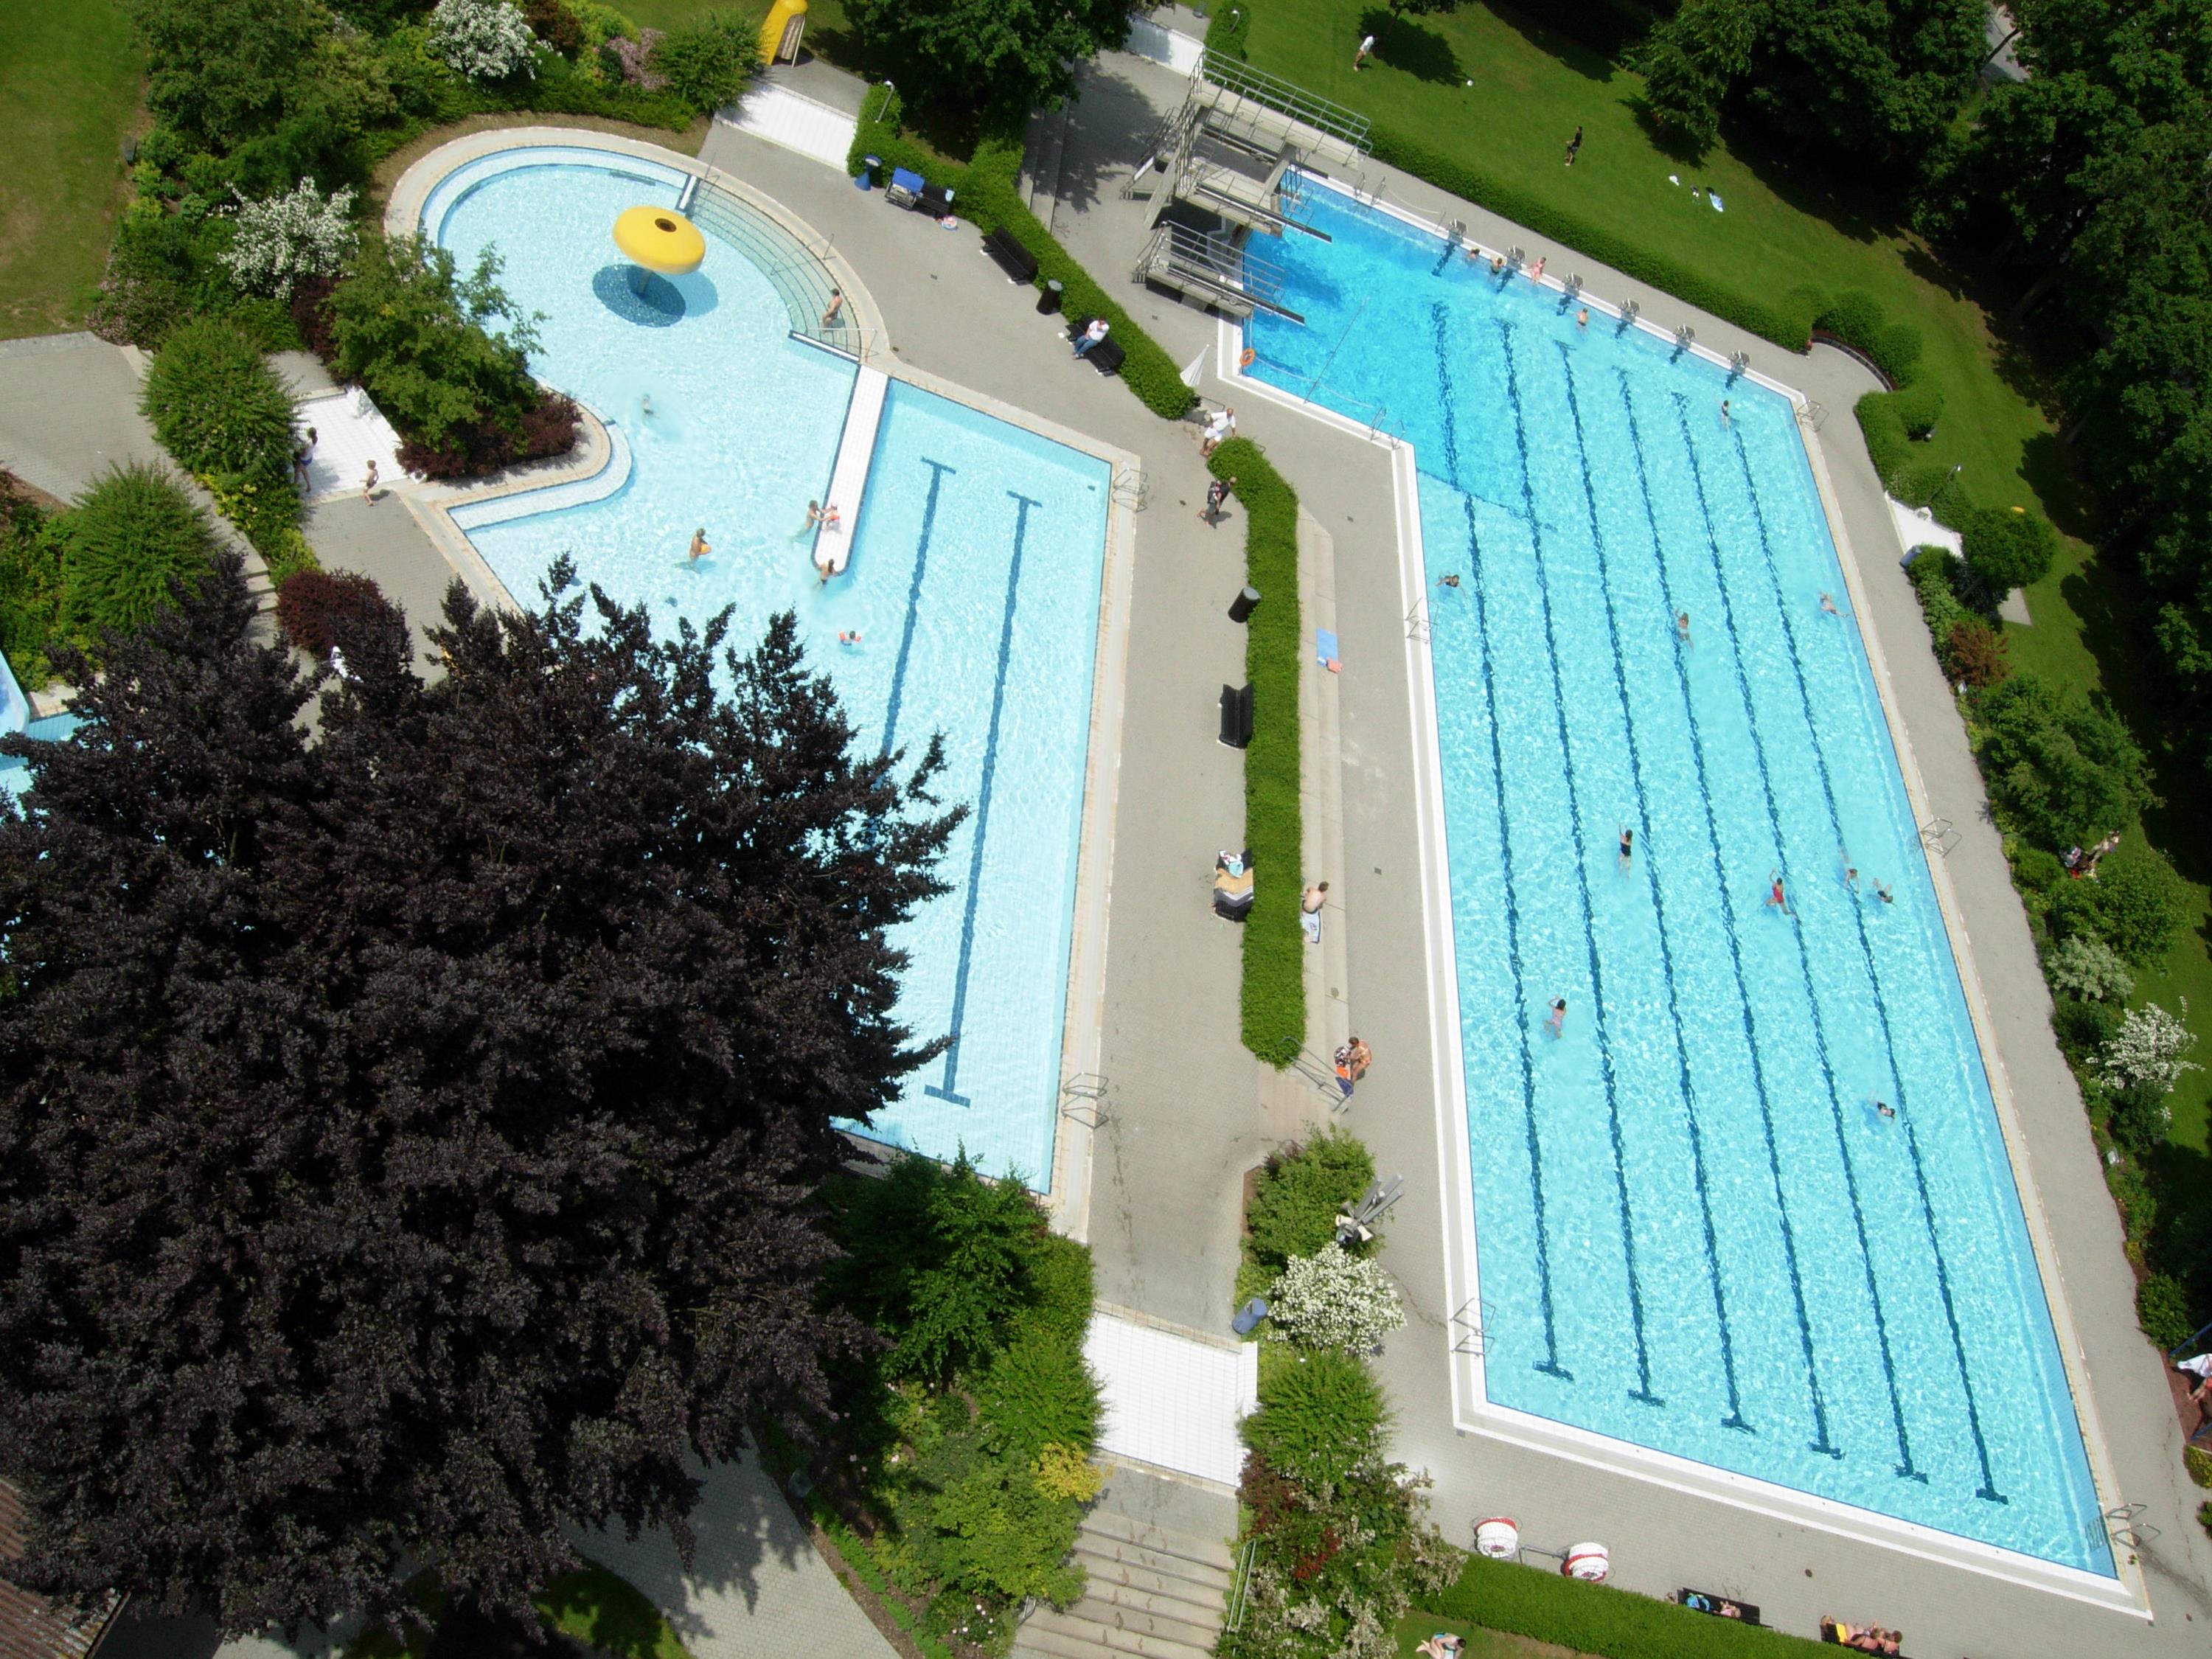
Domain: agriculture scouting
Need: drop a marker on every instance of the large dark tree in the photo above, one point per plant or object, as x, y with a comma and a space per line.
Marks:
1005, 55
408, 1138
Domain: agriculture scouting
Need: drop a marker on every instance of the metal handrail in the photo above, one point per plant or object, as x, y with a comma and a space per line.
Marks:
1346, 126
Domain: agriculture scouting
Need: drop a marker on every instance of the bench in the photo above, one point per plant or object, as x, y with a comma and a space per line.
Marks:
1105, 356
1017, 261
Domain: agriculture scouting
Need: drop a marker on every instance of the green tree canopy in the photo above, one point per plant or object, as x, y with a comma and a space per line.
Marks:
2064, 767
438, 351
409, 1139
1004, 55
126, 543
1690, 62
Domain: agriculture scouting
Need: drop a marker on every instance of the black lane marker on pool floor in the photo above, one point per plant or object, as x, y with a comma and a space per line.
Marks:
1797, 935
1652, 883
1550, 1362
1641, 1391
947, 1089
1874, 980
1735, 952
937, 472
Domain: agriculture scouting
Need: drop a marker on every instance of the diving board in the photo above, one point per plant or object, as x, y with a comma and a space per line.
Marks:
832, 542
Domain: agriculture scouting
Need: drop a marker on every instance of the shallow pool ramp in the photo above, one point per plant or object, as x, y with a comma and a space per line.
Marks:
799, 124
849, 475
1173, 1398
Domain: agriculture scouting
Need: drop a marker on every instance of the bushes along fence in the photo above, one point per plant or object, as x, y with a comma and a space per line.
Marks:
1593, 1619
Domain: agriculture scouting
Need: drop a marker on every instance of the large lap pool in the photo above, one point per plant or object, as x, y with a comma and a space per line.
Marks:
971, 600
1699, 1230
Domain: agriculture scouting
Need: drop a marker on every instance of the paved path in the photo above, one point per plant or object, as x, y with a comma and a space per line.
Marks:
757, 1589
69, 410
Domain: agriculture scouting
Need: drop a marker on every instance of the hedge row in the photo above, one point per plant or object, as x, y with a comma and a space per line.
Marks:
1594, 1619
1275, 1014
988, 192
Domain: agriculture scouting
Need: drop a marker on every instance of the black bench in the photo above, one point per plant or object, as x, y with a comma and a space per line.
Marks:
1017, 261
1105, 356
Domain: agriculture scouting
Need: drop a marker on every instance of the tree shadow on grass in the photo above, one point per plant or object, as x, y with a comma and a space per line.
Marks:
1418, 50
1677, 146
1591, 64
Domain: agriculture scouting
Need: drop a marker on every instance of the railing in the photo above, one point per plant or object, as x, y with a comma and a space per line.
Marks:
1240, 1589
796, 268
1346, 126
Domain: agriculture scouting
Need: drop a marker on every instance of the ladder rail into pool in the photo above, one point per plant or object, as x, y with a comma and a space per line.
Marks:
796, 268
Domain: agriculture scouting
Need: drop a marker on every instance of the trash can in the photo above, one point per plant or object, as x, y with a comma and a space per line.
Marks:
1241, 606
866, 180
1049, 301
1249, 1316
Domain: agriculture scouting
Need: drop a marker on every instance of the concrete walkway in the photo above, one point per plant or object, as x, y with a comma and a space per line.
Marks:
69, 410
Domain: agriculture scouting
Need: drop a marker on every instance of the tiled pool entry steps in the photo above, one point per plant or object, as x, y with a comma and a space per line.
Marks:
985, 596
1700, 1244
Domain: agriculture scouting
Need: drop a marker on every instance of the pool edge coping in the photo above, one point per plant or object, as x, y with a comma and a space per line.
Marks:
1472, 1411
1083, 1015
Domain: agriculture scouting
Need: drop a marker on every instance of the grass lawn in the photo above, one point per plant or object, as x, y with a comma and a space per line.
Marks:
1416, 1628
69, 92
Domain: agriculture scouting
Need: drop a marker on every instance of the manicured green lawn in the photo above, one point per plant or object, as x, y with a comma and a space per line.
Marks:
1416, 1628
69, 92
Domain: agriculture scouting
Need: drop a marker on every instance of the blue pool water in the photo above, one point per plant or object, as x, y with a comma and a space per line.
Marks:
1696, 1233
973, 587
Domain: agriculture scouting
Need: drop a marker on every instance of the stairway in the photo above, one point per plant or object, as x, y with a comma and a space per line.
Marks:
1154, 1592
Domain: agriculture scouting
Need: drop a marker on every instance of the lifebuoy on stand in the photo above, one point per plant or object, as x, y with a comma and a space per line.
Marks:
1246, 358
1591, 1563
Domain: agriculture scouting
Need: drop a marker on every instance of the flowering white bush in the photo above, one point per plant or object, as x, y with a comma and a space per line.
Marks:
1333, 1300
2088, 969
280, 240
483, 39
2148, 1048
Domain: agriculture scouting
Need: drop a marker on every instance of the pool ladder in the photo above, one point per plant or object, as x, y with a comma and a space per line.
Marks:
1939, 835
1082, 1098
1131, 489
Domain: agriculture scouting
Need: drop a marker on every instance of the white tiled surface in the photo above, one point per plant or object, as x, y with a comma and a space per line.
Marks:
1917, 527
1164, 46
784, 117
349, 432
1172, 1400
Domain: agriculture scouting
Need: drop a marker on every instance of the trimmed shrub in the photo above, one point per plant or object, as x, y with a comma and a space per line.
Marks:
1787, 323
219, 407
709, 61
2087, 967
2198, 1463
1300, 1193
319, 609
2140, 1117
2081, 1027
939, 1259
1333, 1299
2162, 1310
1037, 1393
2138, 1205
1274, 992
1974, 655
126, 543
30, 585
1322, 1413
1888, 447
556, 25
1917, 408
1596, 1619
2008, 548
2063, 769
1060, 1275
2137, 907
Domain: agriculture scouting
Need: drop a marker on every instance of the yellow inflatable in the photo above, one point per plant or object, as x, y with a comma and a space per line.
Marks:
780, 35
659, 238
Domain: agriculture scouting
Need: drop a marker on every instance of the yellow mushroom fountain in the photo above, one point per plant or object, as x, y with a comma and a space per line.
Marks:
660, 240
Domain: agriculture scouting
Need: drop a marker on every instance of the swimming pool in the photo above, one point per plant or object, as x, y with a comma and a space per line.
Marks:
972, 594
1700, 1232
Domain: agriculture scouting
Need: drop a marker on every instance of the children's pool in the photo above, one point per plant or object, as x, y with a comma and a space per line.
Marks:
1752, 1205
971, 596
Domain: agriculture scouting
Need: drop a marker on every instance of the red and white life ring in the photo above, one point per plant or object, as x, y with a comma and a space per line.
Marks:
1498, 1538
1247, 357
1591, 1563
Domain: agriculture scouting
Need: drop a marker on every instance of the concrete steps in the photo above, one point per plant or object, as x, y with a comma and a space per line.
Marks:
1154, 1593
